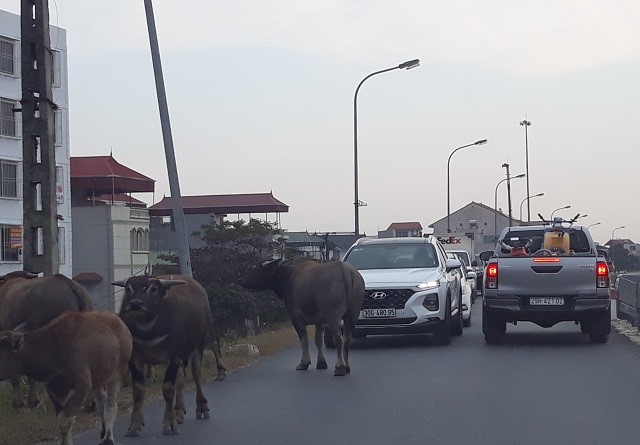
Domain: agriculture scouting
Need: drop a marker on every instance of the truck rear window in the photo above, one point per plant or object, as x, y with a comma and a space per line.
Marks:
578, 242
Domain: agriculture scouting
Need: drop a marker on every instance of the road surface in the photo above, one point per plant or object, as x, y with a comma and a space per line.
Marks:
543, 386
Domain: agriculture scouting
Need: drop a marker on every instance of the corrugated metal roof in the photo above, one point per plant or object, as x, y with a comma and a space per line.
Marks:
222, 204
105, 175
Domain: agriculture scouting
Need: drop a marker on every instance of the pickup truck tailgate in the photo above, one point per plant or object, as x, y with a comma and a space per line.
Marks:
547, 276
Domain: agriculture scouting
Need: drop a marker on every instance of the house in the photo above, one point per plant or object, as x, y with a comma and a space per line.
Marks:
11, 204
309, 245
474, 227
110, 228
402, 230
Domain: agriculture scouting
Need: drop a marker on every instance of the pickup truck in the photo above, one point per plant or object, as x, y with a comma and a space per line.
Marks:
546, 274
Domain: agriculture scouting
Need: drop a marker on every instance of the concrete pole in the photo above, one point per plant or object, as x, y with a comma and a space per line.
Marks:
174, 184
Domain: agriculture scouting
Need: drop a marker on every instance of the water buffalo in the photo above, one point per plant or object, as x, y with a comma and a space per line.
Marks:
31, 302
171, 323
316, 293
76, 353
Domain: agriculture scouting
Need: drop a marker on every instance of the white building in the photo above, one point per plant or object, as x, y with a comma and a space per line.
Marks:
11, 144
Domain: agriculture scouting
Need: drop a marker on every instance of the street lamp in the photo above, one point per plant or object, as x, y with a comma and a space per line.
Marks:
495, 204
594, 224
356, 202
481, 142
527, 199
613, 250
560, 208
526, 124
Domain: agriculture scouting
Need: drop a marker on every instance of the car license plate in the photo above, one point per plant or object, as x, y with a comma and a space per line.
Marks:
546, 301
378, 313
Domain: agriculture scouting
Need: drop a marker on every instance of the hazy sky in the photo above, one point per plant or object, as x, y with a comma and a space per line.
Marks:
261, 98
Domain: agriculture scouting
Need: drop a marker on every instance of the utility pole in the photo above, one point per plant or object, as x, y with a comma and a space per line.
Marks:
174, 184
526, 124
40, 212
505, 165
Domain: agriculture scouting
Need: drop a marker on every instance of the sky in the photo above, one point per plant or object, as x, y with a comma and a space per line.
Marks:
261, 98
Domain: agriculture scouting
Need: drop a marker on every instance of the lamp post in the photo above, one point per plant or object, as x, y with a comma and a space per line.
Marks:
356, 201
480, 142
527, 199
613, 247
526, 124
560, 208
594, 224
495, 204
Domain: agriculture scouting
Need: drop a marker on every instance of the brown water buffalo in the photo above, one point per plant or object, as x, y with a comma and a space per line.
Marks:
29, 302
171, 323
322, 294
76, 353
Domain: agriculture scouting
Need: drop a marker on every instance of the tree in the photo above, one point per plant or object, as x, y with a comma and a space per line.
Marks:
623, 260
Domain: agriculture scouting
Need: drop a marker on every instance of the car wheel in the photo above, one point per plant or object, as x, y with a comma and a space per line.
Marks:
457, 322
600, 327
492, 327
443, 334
598, 338
466, 323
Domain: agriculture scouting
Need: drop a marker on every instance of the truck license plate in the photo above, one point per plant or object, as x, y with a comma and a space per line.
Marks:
546, 301
378, 313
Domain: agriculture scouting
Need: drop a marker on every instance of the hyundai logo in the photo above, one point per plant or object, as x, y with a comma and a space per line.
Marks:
378, 295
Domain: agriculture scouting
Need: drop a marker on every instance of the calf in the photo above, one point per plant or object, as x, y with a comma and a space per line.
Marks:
31, 302
74, 354
171, 323
323, 294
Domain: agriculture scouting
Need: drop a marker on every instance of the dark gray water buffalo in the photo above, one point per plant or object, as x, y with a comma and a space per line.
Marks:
323, 294
30, 302
171, 323
74, 354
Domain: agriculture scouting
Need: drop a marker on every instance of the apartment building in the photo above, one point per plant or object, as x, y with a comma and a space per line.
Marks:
11, 234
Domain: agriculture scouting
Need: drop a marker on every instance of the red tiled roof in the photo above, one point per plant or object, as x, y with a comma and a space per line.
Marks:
222, 204
405, 226
88, 277
104, 175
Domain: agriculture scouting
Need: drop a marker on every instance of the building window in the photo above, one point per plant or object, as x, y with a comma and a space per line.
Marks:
57, 127
56, 75
7, 117
61, 245
9, 179
59, 185
11, 243
139, 240
7, 56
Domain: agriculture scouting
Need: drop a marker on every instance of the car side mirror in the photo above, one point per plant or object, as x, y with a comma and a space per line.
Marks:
484, 256
474, 263
452, 264
602, 252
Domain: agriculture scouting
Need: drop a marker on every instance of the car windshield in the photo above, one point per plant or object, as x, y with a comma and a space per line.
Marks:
392, 256
463, 257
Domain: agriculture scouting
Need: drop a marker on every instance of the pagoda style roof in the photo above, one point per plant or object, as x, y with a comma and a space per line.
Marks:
222, 204
104, 175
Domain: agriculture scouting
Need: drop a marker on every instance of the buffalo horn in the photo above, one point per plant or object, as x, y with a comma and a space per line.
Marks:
272, 262
169, 283
121, 283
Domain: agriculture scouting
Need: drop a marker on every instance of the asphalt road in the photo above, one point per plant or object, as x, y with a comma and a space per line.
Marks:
543, 386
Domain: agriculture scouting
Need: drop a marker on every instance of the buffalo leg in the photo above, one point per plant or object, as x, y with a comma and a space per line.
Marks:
33, 398
72, 406
322, 361
110, 411
305, 361
100, 401
202, 404
220, 366
347, 336
169, 421
138, 389
17, 400
336, 333
180, 409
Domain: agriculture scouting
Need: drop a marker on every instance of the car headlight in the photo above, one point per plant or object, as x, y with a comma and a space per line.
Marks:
433, 284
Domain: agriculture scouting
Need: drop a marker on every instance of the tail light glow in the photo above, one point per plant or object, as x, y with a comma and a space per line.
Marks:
492, 276
602, 274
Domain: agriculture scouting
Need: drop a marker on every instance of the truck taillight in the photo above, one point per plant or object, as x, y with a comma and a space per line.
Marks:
491, 281
602, 274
